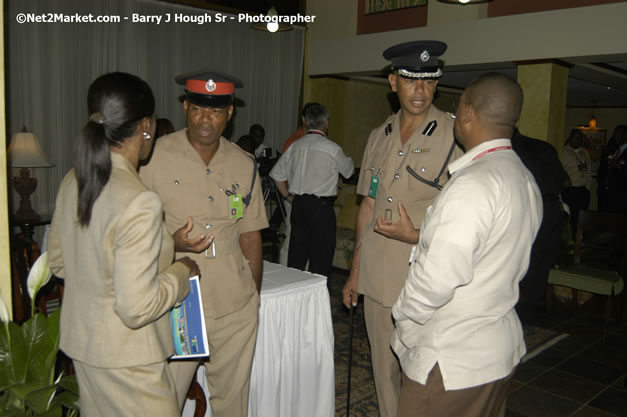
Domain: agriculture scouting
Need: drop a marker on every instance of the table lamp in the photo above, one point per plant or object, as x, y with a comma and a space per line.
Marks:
25, 152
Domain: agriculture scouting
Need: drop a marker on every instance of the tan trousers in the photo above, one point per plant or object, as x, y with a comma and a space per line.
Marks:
431, 400
385, 365
141, 391
232, 341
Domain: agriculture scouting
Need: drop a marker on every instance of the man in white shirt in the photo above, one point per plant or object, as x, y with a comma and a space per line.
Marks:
457, 334
306, 175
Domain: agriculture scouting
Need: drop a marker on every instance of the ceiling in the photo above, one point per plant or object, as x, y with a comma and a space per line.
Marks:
598, 83
284, 7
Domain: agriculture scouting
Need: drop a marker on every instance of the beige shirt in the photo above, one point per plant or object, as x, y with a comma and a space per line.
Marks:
119, 281
577, 164
189, 187
385, 262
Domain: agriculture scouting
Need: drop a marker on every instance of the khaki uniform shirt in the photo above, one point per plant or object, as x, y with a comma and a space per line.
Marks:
189, 187
577, 164
385, 262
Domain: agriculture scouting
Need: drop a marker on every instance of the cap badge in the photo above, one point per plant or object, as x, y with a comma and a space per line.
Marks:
210, 85
424, 56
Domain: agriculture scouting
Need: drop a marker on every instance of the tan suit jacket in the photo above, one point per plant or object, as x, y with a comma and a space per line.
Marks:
119, 281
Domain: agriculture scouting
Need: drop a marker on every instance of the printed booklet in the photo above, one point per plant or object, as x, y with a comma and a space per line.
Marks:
188, 325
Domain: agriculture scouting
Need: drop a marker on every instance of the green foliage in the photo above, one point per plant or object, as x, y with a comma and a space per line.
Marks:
28, 355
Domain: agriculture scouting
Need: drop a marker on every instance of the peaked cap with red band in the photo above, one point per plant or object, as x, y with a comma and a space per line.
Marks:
208, 88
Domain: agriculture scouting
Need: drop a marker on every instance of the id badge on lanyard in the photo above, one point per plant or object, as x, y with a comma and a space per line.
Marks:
374, 186
236, 207
375, 179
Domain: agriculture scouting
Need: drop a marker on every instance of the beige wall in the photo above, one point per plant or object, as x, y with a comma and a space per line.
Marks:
585, 33
356, 107
440, 13
5, 263
333, 18
545, 88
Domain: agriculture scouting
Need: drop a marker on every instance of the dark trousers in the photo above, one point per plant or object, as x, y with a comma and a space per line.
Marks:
577, 198
543, 254
432, 400
313, 234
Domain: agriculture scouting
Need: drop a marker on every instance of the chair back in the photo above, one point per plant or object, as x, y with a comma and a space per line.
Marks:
24, 253
601, 240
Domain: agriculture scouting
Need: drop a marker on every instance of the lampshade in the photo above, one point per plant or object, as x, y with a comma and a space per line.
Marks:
592, 123
464, 2
25, 152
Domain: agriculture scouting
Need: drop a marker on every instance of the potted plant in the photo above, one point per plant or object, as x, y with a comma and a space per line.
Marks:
28, 355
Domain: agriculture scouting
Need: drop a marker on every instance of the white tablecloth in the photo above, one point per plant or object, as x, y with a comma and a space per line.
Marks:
293, 372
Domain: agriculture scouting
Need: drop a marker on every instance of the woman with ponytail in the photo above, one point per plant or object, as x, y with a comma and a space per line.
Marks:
108, 241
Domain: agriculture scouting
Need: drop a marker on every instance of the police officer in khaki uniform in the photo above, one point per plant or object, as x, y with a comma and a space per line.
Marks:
210, 187
402, 171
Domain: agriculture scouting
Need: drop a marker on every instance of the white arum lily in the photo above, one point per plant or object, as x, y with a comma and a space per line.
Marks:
38, 276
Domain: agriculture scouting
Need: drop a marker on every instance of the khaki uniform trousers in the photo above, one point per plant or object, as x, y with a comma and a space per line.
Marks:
232, 341
140, 391
385, 365
432, 400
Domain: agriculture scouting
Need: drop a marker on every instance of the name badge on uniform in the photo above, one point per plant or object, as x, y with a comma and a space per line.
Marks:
236, 206
374, 186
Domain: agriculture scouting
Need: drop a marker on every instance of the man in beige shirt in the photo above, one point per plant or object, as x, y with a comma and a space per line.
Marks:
209, 186
402, 171
577, 164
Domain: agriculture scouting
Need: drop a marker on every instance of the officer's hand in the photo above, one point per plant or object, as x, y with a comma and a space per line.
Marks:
402, 230
182, 243
191, 265
349, 292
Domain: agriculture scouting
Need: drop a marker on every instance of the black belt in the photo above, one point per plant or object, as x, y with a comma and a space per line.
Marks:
330, 198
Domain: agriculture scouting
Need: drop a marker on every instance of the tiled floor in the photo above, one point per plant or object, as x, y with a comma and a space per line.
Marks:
578, 377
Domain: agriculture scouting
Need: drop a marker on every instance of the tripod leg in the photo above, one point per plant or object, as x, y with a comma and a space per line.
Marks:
279, 199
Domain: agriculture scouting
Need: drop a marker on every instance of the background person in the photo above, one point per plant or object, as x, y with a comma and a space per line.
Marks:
299, 133
607, 156
258, 133
541, 159
164, 127
457, 334
577, 164
109, 243
306, 175
617, 175
247, 143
